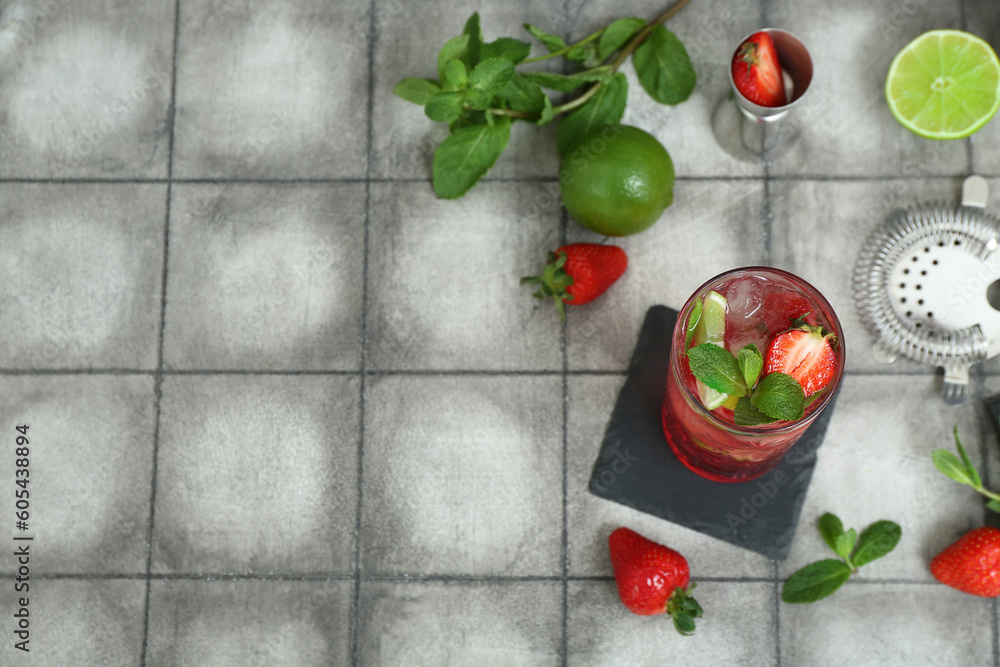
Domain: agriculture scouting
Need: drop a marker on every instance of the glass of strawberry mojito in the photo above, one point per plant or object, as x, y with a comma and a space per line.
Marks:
756, 355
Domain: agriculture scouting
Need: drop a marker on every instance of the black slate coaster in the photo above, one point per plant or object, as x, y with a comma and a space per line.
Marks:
637, 468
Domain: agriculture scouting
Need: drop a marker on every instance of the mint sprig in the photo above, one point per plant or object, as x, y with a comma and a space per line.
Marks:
478, 87
762, 400
822, 578
963, 472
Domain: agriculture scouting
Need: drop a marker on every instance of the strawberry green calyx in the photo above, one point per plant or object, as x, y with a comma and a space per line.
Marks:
683, 609
553, 282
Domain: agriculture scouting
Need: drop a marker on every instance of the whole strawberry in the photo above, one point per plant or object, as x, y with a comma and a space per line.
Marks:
579, 273
972, 564
806, 354
653, 579
757, 71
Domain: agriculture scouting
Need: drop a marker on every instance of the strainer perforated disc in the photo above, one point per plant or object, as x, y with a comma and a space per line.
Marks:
924, 283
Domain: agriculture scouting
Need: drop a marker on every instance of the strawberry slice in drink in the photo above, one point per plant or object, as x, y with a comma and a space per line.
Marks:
806, 354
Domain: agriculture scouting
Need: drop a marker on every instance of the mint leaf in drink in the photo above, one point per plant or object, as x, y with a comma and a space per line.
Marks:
822, 578
487, 79
456, 74
524, 95
664, 68
751, 362
606, 107
717, 368
815, 581
418, 91
780, 396
616, 34
876, 541
456, 47
445, 107
551, 42
475, 32
746, 414
694, 317
465, 156
512, 49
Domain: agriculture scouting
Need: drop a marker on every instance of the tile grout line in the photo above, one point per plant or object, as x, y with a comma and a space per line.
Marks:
158, 376
564, 544
355, 619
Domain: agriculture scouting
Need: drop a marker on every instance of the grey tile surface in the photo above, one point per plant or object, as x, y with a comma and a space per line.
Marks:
435, 623
87, 492
265, 277
444, 292
256, 474
818, 229
237, 623
462, 475
847, 128
271, 89
889, 624
78, 623
86, 89
876, 464
737, 628
80, 275
590, 520
711, 227
404, 139
363, 441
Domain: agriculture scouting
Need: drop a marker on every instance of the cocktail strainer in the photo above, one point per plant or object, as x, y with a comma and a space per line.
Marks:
926, 286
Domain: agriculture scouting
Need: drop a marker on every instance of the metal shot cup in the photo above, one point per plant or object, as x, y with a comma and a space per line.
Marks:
752, 133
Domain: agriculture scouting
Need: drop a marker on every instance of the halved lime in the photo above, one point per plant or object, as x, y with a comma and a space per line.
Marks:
945, 84
711, 328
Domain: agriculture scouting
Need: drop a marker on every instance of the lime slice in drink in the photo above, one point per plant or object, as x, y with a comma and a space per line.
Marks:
711, 328
945, 84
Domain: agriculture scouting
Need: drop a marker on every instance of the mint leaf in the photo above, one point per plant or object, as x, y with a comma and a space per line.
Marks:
664, 67
717, 368
456, 74
831, 528
512, 49
815, 581
566, 84
606, 107
468, 119
949, 464
876, 541
694, 317
617, 34
780, 396
585, 53
751, 362
418, 91
475, 32
456, 47
487, 79
465, 156
993, 505
524, 95
445, 107
746, 414
973, 473
551, 42
844, 544
547, 113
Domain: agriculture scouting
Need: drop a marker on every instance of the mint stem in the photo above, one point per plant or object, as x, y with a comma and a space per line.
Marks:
565, 49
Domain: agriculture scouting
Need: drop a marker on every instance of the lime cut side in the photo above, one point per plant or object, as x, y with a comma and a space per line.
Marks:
945, 84
711, 328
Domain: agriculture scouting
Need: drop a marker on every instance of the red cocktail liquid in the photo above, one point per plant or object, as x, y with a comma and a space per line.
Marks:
761, 302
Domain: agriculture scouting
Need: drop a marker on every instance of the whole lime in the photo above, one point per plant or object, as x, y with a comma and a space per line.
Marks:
617, 180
